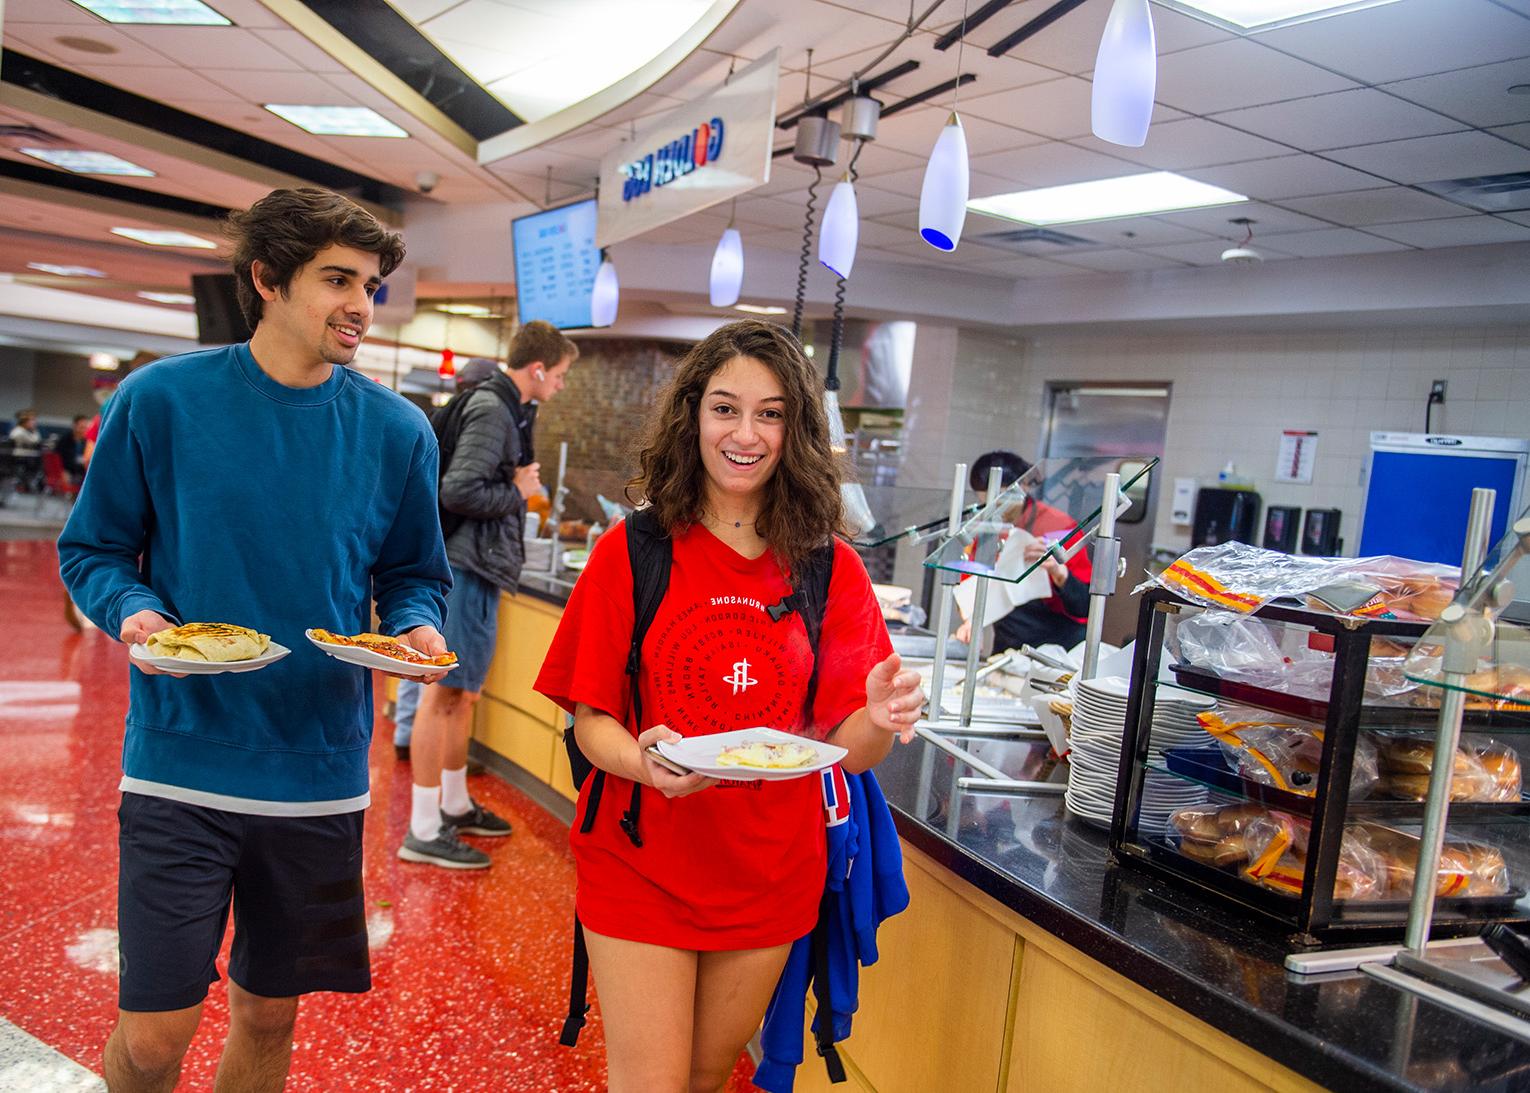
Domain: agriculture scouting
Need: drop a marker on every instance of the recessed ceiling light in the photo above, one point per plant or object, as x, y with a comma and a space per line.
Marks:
65, 271
1105, 199
337, 121
1519, 89
82, 162
760, 309
166, 238
1267, 14
169, 297
477, 311
105, 362
181, 12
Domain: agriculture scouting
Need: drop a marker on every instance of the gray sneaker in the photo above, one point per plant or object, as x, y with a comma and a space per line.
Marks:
476, 821
445, 850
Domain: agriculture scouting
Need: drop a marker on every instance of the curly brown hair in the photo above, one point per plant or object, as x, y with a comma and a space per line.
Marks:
802, 507
286, 228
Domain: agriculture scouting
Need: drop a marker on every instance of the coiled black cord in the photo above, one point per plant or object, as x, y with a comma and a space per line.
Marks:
807, 250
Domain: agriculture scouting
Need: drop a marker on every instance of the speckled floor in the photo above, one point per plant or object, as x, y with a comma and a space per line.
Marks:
469, 970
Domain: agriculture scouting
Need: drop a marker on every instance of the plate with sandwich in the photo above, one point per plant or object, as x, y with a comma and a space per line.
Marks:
747, 755
381, 652
207, 649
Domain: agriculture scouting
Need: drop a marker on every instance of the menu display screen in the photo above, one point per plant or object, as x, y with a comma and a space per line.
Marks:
555, 263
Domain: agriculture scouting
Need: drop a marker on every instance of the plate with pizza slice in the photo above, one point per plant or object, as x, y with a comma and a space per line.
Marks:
745, 755
381, 652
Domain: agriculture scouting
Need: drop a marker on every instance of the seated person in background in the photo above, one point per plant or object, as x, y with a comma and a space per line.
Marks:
24, 434
71, 449
1058, 619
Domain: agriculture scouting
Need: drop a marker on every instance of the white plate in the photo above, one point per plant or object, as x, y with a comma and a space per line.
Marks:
366, 658
273, 653
699, 753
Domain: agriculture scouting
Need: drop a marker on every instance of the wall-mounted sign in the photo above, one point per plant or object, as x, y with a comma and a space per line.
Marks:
692, 158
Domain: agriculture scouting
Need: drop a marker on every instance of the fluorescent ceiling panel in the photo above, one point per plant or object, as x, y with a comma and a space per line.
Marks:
82, 162
760, 309
166, 238
180, 12
169, 297
1105, 199
540, 56
337, 121
476, 311
65, 271
1267, 14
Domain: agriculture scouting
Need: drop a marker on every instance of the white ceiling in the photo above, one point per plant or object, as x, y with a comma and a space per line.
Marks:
1327, 127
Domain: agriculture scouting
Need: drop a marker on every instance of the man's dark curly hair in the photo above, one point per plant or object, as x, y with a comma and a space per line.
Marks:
286, 228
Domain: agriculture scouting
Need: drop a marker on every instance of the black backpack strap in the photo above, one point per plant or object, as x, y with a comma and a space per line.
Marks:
578, 989
649, 551
809, 598
823, 1025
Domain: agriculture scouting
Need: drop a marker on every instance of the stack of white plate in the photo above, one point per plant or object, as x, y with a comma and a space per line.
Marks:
1099, 720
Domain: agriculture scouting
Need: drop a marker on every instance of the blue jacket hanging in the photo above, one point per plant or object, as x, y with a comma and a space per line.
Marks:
864, 886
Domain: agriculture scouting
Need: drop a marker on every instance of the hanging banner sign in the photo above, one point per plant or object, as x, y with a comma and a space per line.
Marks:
692, 158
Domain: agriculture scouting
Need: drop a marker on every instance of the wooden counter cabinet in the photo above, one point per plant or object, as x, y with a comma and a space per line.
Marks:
511, 718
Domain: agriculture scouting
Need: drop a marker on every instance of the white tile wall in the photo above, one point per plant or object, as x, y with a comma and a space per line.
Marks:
1232, 396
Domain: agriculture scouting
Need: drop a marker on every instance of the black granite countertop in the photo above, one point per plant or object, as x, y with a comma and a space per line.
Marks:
1345, 1031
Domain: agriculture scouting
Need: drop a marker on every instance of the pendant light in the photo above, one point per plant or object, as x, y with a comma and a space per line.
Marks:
727, 268
841, 229
1125, 76
943, 197
605, 295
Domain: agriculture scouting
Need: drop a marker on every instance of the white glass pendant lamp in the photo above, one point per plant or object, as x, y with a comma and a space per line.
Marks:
841, 229
943, 198
605, 295
727, 269
837, 439
1125, 75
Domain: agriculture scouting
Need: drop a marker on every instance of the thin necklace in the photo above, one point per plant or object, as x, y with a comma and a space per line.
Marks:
719, 520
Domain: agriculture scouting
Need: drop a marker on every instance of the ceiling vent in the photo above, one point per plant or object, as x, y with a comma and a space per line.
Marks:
1031, 240
1489, 193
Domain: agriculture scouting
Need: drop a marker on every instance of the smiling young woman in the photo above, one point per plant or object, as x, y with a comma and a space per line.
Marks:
688, 925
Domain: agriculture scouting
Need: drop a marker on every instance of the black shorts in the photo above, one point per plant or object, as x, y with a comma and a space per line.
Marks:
295, 881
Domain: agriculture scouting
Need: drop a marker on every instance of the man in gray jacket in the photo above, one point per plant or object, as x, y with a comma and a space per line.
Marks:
487, 476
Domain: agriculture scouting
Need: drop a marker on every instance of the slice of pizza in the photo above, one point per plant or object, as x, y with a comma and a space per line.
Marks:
384, 646
762, 756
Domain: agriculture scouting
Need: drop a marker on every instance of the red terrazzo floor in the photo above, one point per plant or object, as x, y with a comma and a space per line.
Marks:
469, 970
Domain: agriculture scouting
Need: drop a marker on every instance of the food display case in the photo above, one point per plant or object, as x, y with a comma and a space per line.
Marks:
1312, 765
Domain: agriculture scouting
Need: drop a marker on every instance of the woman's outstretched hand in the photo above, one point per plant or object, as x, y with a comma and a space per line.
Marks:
894, 698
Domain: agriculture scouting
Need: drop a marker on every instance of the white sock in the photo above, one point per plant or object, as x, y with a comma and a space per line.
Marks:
425, 813
454, 795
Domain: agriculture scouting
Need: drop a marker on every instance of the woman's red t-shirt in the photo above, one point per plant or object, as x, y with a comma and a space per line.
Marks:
740, 865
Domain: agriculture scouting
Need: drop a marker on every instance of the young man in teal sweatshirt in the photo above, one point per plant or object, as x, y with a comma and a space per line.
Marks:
267, 485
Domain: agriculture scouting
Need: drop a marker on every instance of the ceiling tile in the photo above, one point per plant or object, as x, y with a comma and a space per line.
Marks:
1429, 159
1518, 218
301, 50
1477, 95
163, 83
1395, 41
1058, 108
1237, 73
1190, 142
877, 161
247, 13
1286, 176
1267, 219
18, 12
1135, 231
298, 88
1052, 164
1029, 268
209, 49
1463, 231
1519, 134
1328, 243
44, 38
1123, 261
911, 182
1387, 205
1071, 44
1339, 120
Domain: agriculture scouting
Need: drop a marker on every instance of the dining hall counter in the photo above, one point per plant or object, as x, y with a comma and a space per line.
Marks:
1028, 961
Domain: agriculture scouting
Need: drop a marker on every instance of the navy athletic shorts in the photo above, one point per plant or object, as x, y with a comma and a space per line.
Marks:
295, 886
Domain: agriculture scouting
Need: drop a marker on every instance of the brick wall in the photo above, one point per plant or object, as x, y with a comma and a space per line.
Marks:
600, 412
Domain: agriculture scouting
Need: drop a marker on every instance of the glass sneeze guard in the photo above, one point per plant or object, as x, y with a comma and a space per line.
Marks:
1473, 648
1041, 502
